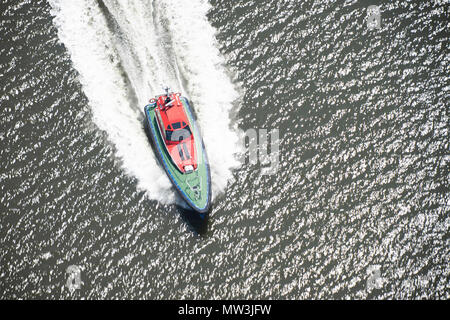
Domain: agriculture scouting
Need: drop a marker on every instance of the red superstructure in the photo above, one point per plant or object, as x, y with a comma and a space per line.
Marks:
176, 131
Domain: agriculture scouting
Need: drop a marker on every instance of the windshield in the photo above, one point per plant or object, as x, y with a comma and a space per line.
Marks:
178, 135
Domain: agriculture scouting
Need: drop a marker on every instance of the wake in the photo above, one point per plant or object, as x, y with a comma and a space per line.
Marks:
125, 51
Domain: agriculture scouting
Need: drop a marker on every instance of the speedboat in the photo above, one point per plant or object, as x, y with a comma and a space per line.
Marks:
179, 147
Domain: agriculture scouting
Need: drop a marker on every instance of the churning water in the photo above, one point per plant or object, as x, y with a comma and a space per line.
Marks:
356, 208
126, 52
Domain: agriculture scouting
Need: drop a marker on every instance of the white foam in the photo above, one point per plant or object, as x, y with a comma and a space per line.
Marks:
180, 43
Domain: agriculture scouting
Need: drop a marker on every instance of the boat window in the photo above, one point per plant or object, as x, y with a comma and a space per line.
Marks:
176, 125
169, 135
184, 123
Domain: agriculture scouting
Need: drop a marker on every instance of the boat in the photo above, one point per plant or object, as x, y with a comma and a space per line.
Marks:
179, 147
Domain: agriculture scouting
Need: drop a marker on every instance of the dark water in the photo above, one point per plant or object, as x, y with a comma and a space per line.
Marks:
362, 182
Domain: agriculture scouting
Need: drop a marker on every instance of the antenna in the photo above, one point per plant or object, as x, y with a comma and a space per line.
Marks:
166, 89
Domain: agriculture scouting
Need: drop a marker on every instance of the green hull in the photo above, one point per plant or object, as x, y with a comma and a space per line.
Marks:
193, 187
